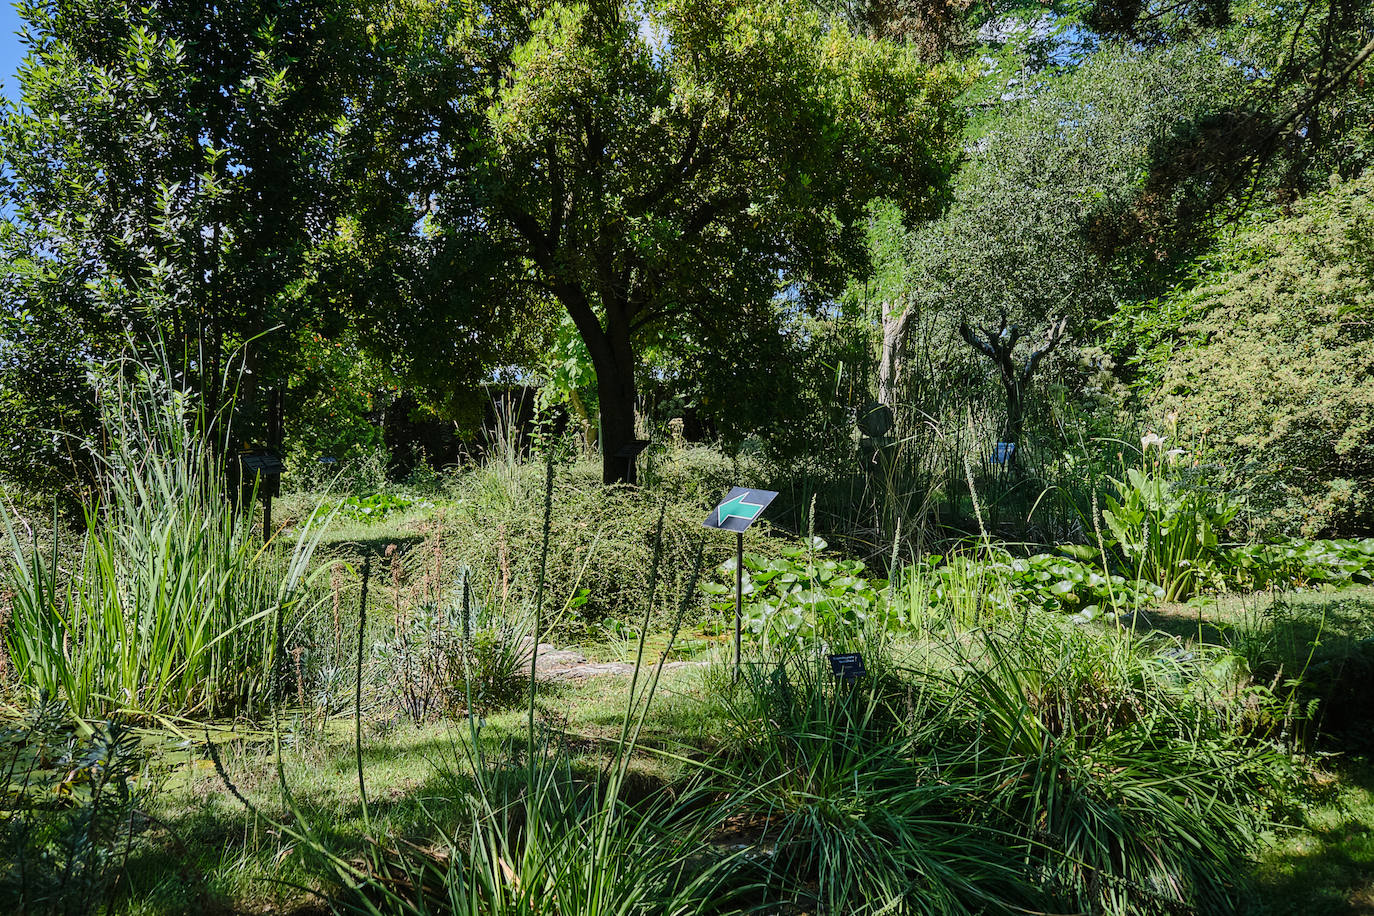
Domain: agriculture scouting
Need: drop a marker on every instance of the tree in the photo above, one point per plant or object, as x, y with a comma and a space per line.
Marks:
165, 175
1000, 347
660, 172
1051, 217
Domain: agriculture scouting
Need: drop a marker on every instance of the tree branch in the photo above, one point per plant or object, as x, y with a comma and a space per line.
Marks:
685, 167
1052, 338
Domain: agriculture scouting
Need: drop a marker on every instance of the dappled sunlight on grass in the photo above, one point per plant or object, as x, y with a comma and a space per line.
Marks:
1326, 865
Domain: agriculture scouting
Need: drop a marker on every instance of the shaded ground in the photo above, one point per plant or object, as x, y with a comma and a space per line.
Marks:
1327, 865
1324, 864
211, 856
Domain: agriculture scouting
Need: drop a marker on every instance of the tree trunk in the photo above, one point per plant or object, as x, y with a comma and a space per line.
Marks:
616, 388
896, 319
613, 358
1015, 409
584, 419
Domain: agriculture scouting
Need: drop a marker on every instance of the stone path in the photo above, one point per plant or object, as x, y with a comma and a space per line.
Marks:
553, 664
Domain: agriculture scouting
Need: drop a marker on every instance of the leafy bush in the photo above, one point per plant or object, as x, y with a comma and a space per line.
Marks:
1265, 360
1167, 532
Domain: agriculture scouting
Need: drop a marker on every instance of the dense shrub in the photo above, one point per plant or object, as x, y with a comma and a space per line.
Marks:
601, 545
1266, 357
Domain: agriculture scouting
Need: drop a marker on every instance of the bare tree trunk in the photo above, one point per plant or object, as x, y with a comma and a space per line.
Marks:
617, 393
896, 317
615, 385
584, 419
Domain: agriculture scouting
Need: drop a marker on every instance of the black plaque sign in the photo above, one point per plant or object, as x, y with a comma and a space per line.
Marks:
848, 667
262, 462
632, 448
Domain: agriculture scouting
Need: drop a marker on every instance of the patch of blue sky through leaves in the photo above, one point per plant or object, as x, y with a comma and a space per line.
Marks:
11, 51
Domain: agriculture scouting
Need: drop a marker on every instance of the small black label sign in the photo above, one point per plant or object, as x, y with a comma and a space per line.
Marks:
848, 667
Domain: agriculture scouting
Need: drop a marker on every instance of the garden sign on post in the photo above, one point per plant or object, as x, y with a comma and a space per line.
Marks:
740, 508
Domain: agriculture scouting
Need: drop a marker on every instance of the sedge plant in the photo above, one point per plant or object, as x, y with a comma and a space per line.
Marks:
171, 607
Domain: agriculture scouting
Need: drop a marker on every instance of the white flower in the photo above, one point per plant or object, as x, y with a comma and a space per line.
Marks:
1151, 440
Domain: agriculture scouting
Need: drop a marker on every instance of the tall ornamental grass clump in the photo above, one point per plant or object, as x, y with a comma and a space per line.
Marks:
1134, 777
171, 608
1046, 768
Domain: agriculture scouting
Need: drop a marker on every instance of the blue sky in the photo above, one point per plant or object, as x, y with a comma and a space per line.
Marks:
11, 52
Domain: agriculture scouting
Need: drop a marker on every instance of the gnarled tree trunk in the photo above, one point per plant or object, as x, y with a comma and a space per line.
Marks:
999, 346
896, 316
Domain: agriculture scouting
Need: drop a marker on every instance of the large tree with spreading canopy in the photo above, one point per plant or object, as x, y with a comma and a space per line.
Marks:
166, 174
662, 172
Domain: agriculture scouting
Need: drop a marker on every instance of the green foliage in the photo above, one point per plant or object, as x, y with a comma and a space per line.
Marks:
377, 506
166, 173
539, 841
1319, 655
1166, 531
70, 817
1126, 772
1301, 563
333, 404
1266, 365
1047, 215
1054, 768
174, 606
860, 817
603, 539
965, 586
661, 168
799, 598
451, 657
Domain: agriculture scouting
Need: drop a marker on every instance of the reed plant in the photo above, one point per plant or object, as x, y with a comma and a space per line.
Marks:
174, 606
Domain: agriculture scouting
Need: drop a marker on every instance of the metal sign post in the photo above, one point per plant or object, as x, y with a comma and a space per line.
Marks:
740, 508
739, 597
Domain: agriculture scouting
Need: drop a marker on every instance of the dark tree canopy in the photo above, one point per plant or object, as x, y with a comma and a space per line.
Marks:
166, 173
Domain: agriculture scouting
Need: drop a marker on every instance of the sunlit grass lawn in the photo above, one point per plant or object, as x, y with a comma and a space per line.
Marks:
227, 855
